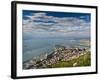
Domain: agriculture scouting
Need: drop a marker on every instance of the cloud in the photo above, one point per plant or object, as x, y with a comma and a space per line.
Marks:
39, 14
42, 23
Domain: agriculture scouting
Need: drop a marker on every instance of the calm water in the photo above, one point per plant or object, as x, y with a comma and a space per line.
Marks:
36, 47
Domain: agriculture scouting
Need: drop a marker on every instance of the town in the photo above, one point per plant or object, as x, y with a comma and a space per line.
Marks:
60, 53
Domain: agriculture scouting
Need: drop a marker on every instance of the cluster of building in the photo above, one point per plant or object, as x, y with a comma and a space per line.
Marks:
60, 53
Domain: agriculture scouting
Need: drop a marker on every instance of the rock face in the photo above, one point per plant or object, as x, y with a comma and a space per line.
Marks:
60, 53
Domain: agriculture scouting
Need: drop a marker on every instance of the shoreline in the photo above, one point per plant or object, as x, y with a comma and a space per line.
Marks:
60, 53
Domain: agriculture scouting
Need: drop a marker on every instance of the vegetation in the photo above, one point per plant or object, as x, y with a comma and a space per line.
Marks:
83, 60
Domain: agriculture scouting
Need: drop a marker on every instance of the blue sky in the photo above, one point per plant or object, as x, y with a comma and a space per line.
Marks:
56, 24
57, 14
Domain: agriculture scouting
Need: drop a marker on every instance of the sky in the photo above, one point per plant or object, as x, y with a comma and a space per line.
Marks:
55, 24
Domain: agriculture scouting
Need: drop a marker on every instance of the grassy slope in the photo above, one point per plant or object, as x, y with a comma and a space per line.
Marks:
84, 60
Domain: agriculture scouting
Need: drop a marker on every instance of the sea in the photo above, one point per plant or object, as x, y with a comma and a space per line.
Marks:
35, 47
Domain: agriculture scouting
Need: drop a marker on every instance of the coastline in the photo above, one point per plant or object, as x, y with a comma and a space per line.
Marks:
60, 55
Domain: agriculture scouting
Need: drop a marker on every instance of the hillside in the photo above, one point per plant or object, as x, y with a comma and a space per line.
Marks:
61, 57
83, 60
